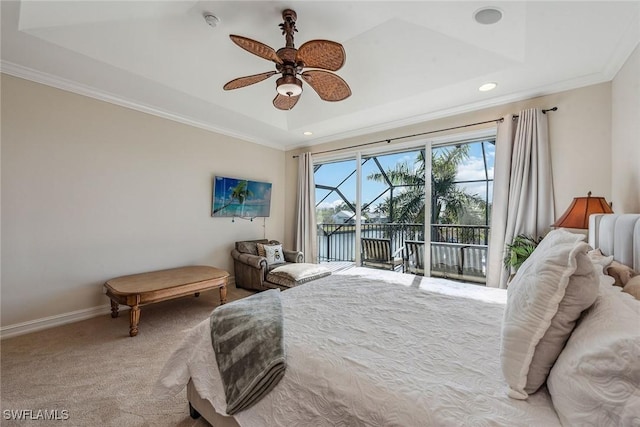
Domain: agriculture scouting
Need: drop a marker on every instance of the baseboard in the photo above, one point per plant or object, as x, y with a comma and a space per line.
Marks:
57, 320
64, 318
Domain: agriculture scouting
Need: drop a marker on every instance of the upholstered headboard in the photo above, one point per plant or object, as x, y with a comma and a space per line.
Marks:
617, 235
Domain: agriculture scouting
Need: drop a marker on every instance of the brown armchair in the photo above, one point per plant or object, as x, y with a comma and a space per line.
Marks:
251, 269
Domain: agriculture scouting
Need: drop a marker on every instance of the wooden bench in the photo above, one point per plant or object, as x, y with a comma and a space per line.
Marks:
155, 286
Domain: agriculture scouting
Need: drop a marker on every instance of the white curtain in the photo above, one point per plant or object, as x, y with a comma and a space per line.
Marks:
306, 228
522, 187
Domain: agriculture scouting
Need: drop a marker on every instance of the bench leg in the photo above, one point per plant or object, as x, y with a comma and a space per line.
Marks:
114, 309
223, 294
134, 317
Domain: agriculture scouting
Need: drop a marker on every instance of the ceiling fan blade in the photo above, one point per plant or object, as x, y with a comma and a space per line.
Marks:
323, 54
283, 102
329, 86
248, 80
257, 48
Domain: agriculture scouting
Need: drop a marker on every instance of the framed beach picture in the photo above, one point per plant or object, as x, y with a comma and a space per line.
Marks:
240, 197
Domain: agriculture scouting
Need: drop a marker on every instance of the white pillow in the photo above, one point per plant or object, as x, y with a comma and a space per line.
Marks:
274, 254
544, 300
596, 379
599, 260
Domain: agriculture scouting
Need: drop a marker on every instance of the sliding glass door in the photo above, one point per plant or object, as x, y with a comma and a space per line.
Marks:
392, 204
336, 210
461, 191
430, 206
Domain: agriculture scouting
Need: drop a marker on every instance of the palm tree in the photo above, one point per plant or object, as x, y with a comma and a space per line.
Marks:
448, 201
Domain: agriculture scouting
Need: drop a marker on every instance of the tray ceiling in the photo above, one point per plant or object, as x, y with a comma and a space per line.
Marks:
406, 61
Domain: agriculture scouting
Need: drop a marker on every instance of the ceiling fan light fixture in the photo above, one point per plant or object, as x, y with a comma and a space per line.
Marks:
322, 56
289, 86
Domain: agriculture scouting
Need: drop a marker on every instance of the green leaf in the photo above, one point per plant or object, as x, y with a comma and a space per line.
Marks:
517, 252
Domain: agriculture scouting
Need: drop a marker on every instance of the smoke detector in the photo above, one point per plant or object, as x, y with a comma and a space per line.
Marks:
211, 19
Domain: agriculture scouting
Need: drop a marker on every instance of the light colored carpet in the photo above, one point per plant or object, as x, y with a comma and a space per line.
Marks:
99, 374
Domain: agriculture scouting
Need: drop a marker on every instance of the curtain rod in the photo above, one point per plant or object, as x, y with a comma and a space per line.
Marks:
388, 140
543, 112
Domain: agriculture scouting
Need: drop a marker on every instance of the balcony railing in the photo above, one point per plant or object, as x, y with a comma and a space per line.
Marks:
457, 251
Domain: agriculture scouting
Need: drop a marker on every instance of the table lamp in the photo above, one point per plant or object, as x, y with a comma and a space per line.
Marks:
577, 215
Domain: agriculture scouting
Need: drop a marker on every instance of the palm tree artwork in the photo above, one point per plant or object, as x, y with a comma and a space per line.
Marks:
239, 193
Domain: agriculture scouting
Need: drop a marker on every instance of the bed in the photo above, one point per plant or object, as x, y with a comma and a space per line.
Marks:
372, 347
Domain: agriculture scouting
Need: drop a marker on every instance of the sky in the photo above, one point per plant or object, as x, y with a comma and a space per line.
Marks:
332, 174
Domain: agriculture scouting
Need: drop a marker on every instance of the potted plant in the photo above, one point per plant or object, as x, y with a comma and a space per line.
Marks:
518, 251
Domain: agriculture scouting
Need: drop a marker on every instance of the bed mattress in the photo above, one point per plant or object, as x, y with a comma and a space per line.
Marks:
385, 349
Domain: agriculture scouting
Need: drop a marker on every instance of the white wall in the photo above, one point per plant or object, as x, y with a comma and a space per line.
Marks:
92, 191
579, 133
625, 114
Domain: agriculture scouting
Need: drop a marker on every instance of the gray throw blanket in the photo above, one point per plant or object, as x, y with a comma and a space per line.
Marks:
247, 340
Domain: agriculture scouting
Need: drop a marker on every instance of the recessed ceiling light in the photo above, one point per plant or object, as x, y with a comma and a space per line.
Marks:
487, 87
487, 15
307, 133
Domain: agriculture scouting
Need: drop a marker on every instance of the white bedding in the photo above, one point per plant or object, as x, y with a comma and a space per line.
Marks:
389, 350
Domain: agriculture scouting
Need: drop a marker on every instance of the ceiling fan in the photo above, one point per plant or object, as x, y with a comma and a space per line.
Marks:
290, 62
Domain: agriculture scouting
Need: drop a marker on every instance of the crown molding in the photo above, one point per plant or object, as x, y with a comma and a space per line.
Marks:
47, 79
571, 84
67, 85
623, 49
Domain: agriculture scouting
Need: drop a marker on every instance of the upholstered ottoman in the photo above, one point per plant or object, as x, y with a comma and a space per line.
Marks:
290, 275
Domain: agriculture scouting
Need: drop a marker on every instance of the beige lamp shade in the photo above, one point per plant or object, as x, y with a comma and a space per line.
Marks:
577, 215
